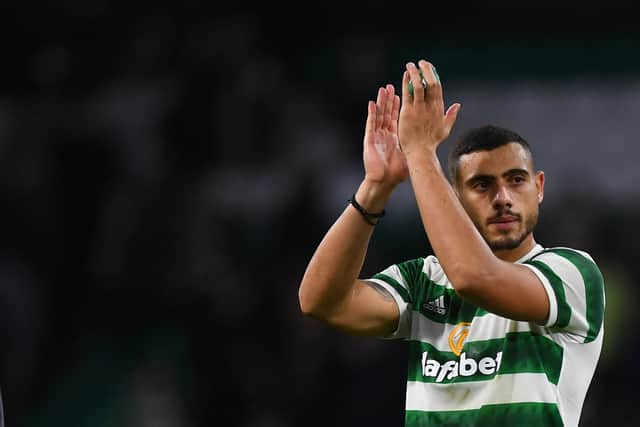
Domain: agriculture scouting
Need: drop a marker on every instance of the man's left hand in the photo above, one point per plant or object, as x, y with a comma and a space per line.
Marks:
423, 124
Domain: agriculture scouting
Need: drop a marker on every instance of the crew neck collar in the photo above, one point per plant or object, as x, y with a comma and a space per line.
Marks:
536, 249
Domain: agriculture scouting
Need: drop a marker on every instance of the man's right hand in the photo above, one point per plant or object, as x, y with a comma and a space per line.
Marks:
384, 162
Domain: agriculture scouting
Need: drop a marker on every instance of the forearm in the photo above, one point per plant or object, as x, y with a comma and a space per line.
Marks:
338, 260
460, 248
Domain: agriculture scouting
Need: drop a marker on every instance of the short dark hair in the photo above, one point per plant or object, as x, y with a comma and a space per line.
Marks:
484, 138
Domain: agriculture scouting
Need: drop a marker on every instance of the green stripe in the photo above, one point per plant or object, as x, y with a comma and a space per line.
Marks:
522, 352
457, 309
594, 288
564, 310
508, 414
481, 312
397, 286
421, 290
411, 271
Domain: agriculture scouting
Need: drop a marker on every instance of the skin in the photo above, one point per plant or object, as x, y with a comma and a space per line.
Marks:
500, 192
475, 229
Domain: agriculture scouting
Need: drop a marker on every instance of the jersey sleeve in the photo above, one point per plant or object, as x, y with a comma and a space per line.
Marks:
399, 281
575, 288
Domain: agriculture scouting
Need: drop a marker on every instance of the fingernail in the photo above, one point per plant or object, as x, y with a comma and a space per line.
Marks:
436, 73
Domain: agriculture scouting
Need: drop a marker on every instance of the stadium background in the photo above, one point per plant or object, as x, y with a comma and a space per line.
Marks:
168, 169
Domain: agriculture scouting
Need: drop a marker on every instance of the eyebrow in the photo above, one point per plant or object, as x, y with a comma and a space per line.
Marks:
485, 177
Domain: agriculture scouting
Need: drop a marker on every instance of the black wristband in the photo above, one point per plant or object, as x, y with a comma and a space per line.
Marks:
371, 217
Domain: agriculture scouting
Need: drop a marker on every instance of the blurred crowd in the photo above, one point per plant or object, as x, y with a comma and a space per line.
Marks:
167, 171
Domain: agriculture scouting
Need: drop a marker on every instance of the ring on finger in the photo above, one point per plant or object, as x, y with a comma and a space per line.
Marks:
423, 81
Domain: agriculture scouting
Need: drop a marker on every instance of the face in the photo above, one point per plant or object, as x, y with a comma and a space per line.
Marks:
501, 193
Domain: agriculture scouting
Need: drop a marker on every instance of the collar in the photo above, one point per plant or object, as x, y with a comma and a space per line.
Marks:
535, 250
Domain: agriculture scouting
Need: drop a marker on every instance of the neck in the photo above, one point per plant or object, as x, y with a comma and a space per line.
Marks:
512, 255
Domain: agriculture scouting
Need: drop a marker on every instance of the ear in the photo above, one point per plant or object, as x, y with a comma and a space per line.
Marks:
539, 178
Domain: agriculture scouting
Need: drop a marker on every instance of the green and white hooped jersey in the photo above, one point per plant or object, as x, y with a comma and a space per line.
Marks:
470, 367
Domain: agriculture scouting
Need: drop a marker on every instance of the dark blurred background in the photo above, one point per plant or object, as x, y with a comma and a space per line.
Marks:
168, 169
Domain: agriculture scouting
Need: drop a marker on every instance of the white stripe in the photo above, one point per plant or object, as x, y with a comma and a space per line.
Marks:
434, 271
486, 327
574, 290
394, 273
578, 366
403, 329
509, 388
551, 295
583, 253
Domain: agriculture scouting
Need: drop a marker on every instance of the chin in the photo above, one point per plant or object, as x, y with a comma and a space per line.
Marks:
506, 242
504, 245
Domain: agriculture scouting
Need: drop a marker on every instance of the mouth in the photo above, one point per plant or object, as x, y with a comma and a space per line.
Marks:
504, 222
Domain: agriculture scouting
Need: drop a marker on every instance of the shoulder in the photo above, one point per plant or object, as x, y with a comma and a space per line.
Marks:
427, 268
566, 262
415, 266
434, 269
415, 270
575, 283
564, 252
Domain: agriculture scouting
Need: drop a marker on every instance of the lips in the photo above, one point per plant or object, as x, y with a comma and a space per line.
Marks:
504, 219
504, 222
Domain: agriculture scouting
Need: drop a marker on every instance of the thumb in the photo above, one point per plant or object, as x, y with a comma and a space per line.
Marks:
370, 125
451, 116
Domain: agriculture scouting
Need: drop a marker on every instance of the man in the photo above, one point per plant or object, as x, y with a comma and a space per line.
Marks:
501, 331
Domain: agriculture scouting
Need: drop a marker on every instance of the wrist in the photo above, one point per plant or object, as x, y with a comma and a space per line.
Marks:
373, 196
421, 158
424, 153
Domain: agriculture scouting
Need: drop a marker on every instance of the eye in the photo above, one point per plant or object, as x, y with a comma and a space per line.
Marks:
519, 179
481, 185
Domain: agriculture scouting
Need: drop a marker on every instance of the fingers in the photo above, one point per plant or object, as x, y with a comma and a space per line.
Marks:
450, 117
427, 103
416, 82
395, 113
371, 122
388, 108
371, 117
427, 69
434, 90
406, 95
380, 107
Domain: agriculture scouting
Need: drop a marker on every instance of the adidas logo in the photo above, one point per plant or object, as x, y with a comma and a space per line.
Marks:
436, 305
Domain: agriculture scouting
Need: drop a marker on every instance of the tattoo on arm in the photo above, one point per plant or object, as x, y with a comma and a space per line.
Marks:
379, 289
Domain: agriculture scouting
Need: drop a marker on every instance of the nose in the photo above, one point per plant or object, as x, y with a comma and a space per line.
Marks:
502, 198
